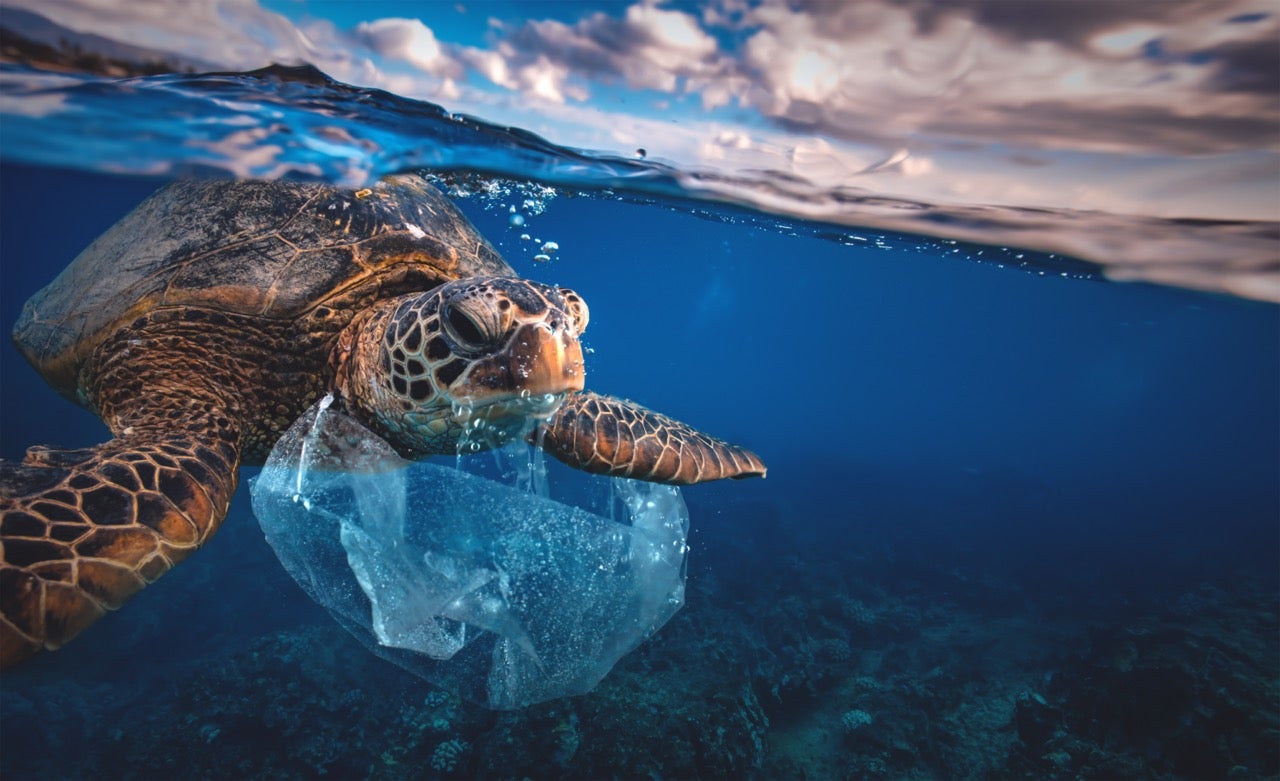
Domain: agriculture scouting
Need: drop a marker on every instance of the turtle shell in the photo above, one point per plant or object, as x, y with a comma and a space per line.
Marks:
265, 249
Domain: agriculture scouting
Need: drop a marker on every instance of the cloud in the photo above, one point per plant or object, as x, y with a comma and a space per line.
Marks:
1069, 23
1049, 125
993, 71
232, 33
647, 48
241, 35
537, 76
411, 41
978, 101
1141, 77
1250, 66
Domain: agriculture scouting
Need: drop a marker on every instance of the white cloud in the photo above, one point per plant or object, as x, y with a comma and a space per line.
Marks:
409, 40
647, 48
891, 74
241, 35
874, 72
668, 42
868, 70
933, 102
539, 77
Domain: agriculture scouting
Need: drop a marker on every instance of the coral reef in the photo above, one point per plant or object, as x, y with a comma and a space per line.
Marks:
1191, 692
787, 662
447, 755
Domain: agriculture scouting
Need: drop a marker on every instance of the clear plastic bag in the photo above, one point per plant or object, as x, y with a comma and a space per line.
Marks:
490, 589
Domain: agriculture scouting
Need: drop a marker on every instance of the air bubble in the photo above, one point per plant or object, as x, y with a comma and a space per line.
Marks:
550, 247
541, 258
462, 409
516, 220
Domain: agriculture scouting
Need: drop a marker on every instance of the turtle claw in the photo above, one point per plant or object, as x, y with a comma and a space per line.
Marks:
612, 436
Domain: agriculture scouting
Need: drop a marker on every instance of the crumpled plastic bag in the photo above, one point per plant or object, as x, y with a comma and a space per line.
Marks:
491, 590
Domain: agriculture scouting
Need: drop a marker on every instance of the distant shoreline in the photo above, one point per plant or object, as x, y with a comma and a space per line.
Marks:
70, 58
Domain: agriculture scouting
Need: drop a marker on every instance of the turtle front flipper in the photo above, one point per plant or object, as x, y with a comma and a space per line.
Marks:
612, 436
81, 531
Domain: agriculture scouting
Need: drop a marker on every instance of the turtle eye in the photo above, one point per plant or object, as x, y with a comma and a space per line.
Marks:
464, 328
474, 324
577, 309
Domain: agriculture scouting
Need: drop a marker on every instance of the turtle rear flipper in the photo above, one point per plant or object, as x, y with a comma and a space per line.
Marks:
81, 531
616, 437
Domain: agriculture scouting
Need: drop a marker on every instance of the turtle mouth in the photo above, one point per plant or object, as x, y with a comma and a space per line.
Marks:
489, 423
538, 406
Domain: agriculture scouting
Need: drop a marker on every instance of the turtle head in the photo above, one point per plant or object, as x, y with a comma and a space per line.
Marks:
478, 361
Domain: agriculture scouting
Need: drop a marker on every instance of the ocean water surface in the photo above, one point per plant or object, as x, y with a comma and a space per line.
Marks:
1020, 521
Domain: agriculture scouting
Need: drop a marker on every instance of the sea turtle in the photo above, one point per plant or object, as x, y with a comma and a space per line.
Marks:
208, 319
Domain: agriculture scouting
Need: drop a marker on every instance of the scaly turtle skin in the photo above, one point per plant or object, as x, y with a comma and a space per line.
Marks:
206, 321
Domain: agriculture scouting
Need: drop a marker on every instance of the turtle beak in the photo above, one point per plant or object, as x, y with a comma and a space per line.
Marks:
553, 362
539, 360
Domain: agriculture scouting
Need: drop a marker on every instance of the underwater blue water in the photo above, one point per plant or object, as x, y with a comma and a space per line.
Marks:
990, 489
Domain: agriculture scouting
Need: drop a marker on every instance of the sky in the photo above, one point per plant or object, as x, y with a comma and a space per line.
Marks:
1166, 109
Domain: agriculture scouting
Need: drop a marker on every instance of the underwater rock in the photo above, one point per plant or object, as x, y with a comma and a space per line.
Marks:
505, 597
1036, 720
1185, 694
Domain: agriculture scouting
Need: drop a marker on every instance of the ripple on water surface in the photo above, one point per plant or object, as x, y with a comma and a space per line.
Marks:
296, 122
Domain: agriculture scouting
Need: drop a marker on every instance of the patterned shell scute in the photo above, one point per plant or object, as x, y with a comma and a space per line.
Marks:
267, 249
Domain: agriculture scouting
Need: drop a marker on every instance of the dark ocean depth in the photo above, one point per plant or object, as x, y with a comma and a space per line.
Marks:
1015, 526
